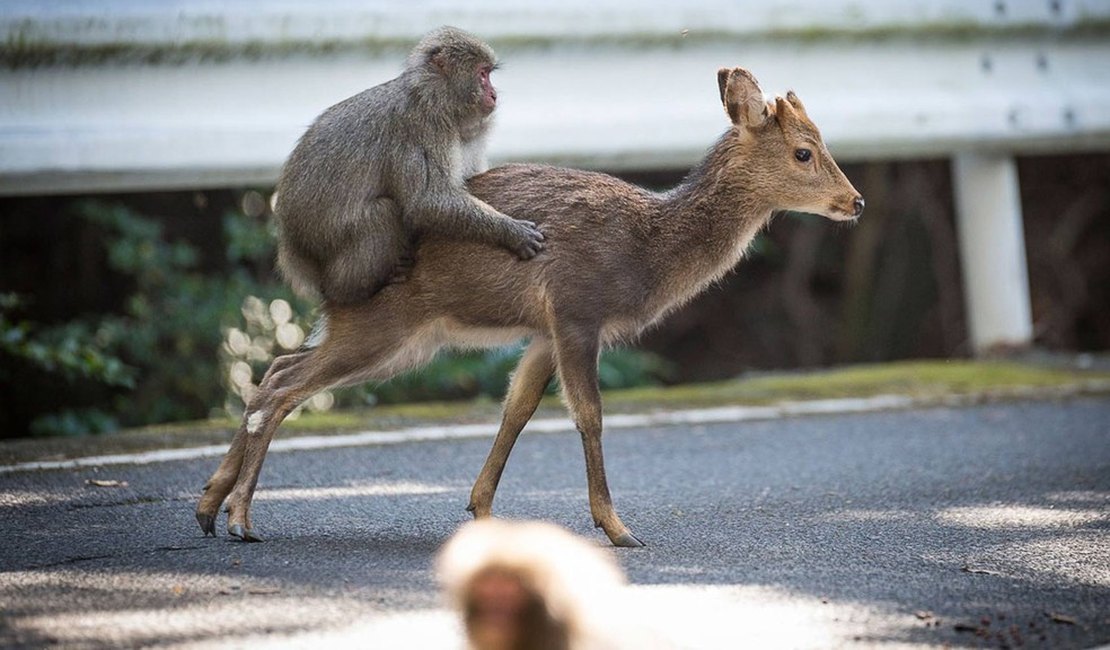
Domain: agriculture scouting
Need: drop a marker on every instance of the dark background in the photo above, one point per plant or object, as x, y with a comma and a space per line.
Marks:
811, 292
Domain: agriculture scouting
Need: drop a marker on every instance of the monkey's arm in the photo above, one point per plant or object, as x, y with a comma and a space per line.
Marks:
437, 205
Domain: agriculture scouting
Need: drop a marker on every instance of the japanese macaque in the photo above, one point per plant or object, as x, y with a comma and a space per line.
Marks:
529, 586
387, 166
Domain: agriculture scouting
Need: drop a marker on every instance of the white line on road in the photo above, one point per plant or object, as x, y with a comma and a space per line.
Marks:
464, 431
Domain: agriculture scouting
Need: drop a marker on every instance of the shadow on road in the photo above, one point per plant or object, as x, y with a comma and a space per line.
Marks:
968, 527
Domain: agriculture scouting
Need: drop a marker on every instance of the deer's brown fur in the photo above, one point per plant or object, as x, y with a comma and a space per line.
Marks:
618, 258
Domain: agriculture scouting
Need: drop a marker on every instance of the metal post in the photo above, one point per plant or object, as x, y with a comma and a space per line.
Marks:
992, 251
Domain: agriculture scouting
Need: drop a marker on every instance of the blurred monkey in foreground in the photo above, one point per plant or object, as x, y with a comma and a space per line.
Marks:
529, 586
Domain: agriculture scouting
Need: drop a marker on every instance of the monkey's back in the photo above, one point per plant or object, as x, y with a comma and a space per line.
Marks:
340, 159
327, 187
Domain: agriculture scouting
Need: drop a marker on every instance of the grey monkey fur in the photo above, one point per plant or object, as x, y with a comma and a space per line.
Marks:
388, 165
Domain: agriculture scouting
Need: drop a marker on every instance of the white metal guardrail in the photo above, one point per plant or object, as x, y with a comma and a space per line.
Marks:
136, 94
131, 94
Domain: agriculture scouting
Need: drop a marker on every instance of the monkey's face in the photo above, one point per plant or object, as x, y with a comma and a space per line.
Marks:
500, 610
487, 94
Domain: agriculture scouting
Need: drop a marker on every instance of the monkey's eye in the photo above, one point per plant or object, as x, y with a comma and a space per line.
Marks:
802, 155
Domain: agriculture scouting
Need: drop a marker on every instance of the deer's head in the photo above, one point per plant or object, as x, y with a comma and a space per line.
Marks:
780, 150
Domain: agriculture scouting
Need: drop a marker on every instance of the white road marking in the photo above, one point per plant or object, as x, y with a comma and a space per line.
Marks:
465, 431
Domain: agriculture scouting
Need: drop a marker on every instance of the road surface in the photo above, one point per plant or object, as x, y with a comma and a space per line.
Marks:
984, 526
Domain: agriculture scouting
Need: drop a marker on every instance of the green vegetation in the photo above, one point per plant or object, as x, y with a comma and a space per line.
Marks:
927, 382
923, 380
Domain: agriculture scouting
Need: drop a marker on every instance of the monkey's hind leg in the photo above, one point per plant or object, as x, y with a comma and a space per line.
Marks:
371, 255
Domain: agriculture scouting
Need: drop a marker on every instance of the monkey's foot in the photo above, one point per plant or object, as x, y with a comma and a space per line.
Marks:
245, 534
402, 271
207, 523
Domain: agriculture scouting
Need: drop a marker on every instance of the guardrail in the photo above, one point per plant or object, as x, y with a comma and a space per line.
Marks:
133, 95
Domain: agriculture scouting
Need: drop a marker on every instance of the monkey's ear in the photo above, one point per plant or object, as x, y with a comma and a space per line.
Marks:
438, 58
742, 97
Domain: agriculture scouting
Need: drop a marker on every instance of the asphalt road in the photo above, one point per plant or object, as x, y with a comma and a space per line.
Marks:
984, 526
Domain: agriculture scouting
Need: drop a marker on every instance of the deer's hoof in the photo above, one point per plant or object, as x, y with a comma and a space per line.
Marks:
627, 540
207, 523
245, 534
479, 513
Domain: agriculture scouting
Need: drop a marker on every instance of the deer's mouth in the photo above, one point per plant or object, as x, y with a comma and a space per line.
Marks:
846, 211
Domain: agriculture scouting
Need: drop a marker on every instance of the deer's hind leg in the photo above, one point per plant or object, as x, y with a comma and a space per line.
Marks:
372, 351
223, 480
284, 392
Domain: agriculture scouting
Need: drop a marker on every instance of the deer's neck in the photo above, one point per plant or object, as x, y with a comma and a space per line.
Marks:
705, 225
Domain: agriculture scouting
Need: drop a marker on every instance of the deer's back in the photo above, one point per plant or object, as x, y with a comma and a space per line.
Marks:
596, 264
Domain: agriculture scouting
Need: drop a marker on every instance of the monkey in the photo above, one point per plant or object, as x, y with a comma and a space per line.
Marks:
387, 166
525, 585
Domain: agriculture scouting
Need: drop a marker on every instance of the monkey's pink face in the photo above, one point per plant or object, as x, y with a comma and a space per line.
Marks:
488, 92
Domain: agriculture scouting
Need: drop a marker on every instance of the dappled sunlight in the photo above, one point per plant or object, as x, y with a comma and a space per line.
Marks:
139, 626
42, 497
855, 516
436, 628
1084, 497
1019, 516
1075, 557
731, 616
1050, 544
1082, 557
175, 607
402, 488
198, 611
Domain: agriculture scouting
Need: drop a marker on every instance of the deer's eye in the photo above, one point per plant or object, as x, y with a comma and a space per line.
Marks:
802, 155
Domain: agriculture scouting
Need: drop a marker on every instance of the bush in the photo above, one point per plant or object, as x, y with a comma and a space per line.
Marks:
73, 353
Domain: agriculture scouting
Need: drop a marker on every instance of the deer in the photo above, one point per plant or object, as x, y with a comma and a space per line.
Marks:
618, 259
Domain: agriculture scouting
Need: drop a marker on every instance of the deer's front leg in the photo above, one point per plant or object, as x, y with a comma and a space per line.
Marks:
576, 352
525, 392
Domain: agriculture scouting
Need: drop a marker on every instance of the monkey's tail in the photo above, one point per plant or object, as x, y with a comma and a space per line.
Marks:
316, 335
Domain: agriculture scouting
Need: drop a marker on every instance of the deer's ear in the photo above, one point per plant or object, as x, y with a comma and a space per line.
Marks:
742, 97
722, 83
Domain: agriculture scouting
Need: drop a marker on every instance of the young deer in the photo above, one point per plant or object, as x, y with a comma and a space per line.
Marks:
618, 259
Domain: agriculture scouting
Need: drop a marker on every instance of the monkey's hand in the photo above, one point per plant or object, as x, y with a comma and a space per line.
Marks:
525, 239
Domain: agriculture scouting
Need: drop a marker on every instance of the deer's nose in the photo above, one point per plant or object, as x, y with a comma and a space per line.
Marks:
857, 205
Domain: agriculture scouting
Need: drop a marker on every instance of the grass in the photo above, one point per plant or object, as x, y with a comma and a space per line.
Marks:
917, 379
926, 381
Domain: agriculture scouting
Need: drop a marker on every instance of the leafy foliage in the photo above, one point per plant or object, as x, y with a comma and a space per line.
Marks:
71, 351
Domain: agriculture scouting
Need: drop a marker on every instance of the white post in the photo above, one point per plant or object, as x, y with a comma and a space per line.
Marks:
992, 251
